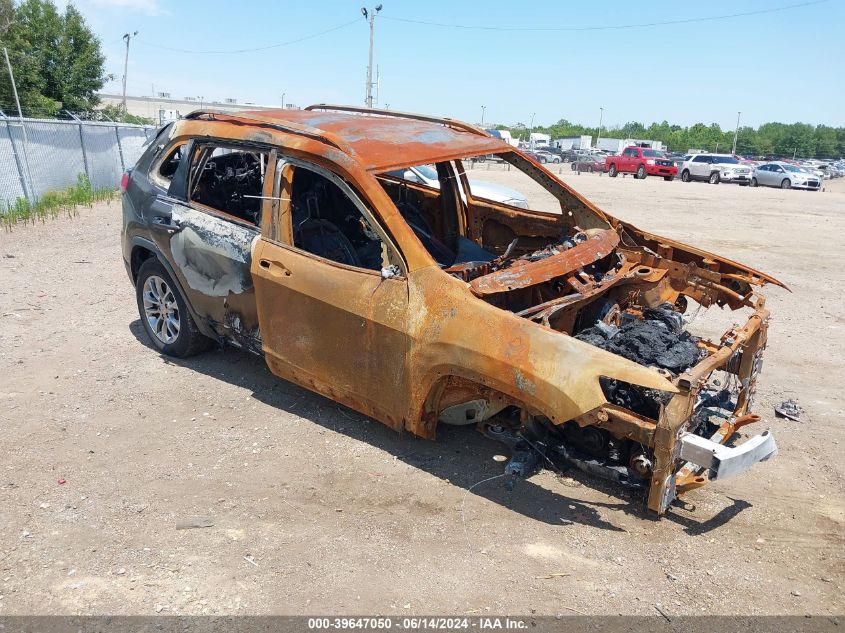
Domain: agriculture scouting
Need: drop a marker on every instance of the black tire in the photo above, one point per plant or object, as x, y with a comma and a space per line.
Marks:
668, 178
754, 182
188, 340
572, 166
685, 175
641, 173
714, 178
786, 184
612, 171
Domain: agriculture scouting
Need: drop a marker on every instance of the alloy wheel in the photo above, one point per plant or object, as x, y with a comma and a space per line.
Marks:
161, 309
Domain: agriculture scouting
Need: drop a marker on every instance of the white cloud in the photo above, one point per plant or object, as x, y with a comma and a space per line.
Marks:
149, 7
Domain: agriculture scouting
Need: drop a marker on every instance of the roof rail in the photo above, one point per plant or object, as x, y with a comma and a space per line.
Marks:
286, 126
454, 123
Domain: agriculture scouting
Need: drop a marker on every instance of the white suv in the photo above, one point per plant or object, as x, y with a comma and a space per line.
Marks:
714, 168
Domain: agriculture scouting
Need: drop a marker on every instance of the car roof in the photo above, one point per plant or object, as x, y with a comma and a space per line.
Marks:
383, 140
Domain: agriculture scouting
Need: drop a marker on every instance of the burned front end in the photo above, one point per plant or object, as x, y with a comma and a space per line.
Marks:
640, 298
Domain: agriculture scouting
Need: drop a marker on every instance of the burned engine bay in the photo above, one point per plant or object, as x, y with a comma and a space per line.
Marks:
630, 301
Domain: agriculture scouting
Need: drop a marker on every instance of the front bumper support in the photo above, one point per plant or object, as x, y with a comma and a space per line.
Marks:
724, 461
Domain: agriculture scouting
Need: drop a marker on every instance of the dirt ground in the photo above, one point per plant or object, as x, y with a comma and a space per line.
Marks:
107, 446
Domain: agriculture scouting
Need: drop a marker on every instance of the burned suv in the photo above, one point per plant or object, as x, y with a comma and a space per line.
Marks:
293, 235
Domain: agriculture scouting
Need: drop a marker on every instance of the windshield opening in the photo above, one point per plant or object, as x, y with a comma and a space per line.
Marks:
463, 210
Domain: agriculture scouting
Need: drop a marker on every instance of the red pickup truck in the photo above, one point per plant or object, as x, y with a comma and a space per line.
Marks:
642, 162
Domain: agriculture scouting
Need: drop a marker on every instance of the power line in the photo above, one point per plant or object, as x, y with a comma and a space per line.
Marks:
607, 27
252, 50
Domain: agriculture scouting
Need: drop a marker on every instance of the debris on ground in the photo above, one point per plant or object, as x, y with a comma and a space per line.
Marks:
792, 410
248, 558
195, 522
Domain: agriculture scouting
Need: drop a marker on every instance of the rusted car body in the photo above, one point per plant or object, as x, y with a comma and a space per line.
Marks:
512, 336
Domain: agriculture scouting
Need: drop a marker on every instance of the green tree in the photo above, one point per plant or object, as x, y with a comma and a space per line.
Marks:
56, 58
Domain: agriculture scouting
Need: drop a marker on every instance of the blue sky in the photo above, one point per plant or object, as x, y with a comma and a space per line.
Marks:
784, 66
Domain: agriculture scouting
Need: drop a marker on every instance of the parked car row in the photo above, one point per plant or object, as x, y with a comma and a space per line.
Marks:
712, 168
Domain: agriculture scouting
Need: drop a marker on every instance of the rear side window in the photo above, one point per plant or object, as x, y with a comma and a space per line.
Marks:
166, 165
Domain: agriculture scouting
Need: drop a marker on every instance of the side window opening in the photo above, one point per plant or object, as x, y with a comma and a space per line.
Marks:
329, 224
230, 180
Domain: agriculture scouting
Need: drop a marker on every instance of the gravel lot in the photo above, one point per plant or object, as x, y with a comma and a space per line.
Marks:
107, 447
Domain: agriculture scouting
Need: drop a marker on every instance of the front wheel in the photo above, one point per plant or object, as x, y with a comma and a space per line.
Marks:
785, 184
668, 178
685, 177
714, 178
754, 182
641, 173
612, 171
164, 313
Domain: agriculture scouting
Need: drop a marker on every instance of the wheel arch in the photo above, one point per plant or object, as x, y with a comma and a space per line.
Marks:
143, 250
453, 388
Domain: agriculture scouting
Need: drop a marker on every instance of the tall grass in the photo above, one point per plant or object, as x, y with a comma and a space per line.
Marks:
53, 203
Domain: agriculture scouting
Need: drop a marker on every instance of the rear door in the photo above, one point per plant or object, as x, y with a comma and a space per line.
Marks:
700, 166
332, 294
205, 226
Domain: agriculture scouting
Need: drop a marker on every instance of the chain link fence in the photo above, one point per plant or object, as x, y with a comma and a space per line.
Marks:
41, 155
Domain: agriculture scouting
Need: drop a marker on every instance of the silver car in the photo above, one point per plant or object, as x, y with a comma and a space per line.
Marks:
785, 176
427, 175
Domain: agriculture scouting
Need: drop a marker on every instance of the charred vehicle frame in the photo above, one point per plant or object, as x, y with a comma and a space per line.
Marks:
290, 234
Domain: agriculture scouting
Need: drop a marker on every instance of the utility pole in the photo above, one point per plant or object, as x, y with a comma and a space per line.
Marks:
598, 136
371, 17
736, 131
126, 38
482, 114
283, 101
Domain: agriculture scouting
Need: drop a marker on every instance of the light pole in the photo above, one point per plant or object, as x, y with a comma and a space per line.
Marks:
371, 17
530, 130
736, 131
598, 136
126, 38
482, 114
283, 101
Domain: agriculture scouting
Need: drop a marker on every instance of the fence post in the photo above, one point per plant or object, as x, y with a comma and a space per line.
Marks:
26, 192
84, 154
119, 149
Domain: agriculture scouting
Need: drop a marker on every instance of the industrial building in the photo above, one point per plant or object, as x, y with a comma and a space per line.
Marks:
163, 108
